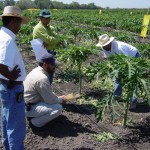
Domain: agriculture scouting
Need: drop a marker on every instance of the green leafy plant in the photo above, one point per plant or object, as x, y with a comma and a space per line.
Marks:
105, 136
133, 74
76, 55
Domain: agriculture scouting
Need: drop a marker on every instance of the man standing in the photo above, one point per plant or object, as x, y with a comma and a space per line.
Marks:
112, 47
46, 32
42, 104
12, 74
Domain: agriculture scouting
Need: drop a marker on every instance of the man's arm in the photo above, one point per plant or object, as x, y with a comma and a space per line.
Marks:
102, 56
41, 33
11, 75
45, 90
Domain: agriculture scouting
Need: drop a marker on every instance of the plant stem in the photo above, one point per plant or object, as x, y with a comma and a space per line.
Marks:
80, 76
126, 110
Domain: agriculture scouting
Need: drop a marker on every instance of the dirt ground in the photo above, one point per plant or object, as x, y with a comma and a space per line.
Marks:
75, 128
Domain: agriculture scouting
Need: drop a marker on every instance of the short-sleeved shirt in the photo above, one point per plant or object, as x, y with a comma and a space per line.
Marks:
9, 53
119, 47
37, 88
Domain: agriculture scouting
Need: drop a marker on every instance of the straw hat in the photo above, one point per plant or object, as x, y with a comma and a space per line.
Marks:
104, 40
14, 12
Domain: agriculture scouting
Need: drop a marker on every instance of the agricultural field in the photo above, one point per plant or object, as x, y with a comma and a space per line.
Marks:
95, 120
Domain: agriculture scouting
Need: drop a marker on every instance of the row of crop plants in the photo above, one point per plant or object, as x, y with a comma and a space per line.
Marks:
79, 31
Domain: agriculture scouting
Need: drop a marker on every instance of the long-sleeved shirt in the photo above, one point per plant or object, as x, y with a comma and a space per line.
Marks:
38, 89
119, 47
46, 34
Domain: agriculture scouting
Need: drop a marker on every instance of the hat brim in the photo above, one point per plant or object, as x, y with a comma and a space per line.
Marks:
57, 63
101, 45
46, 16
25, 20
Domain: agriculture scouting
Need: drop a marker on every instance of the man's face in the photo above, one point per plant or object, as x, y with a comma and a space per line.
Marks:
107, 47
45, 21
16, 23
50, 68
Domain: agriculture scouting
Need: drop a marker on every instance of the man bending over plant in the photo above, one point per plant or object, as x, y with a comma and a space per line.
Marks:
112, 47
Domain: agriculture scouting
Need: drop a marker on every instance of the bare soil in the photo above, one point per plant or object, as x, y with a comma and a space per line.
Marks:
74, 129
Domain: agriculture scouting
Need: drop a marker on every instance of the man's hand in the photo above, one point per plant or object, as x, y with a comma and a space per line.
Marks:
11, 75
45, 45
15, 73
101, 56
64, 100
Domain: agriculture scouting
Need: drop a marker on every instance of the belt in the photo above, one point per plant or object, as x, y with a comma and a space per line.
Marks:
11, 82
30, 103
28, 106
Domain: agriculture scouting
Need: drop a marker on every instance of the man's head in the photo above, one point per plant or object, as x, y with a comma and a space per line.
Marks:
12, 18
48, 63
105, 42
45, 16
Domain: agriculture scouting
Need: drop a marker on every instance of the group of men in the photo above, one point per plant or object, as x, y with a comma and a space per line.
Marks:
41, 105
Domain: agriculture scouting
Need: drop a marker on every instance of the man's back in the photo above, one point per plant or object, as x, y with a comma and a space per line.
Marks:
32, 84
119, 47
37, 87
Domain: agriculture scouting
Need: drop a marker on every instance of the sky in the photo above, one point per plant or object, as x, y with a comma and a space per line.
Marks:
114, 3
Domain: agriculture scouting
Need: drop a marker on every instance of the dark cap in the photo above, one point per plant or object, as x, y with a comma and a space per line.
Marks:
48, 59
45, 13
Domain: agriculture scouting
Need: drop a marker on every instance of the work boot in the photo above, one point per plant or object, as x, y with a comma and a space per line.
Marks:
132, 106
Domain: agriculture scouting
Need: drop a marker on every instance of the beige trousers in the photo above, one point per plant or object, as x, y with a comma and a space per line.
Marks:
43, 113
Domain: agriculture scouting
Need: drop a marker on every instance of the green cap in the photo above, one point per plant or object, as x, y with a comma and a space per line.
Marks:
45, 13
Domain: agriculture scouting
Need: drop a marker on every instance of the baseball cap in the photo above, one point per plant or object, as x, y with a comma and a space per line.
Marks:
49, 59
45, 13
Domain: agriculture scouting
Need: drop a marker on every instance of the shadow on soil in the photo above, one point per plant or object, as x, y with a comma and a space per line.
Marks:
76, 108
140, 133
74, 149
62, 126
141, 108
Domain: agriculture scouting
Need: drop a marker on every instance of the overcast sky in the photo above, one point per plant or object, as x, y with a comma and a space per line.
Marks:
114, 3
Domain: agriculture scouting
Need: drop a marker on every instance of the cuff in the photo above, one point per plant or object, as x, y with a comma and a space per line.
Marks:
60, 100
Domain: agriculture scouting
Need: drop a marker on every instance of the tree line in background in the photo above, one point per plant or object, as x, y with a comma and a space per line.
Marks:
25, 4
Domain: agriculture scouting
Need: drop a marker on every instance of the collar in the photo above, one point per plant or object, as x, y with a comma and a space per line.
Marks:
40, 68
9, 32
43, 24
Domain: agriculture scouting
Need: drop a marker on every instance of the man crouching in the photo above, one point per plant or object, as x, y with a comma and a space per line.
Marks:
42, 105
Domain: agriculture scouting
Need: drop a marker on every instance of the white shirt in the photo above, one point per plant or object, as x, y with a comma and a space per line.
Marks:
119, 47
9, 53
39, 50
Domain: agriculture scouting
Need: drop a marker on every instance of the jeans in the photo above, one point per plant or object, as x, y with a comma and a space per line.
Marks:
51, 52
50, 77
118, 91
13, 117
118, 88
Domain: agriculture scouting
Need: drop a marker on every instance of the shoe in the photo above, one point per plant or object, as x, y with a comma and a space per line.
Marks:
29, 118
132, 106
36, 128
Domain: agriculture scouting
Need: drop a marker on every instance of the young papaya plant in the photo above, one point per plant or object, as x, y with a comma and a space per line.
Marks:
133, 74
77, 55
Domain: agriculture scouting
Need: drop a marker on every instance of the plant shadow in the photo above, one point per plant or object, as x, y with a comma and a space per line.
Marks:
141, 108
61, 127
140, 134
